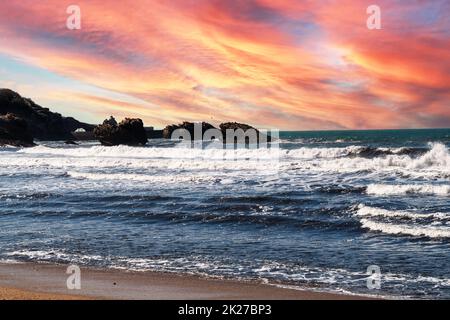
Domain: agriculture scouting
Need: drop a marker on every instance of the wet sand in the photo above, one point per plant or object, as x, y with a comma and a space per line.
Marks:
30, 281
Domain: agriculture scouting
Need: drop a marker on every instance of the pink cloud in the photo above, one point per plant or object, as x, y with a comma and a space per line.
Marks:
247, 60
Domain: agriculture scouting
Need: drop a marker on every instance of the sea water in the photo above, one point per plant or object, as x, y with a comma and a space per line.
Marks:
315, 214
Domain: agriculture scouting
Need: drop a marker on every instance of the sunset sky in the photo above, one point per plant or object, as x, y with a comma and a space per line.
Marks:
286, 64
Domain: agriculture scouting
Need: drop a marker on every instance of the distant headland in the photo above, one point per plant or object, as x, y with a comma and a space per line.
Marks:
22, 122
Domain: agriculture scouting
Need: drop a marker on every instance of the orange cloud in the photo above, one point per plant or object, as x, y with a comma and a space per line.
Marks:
286, 64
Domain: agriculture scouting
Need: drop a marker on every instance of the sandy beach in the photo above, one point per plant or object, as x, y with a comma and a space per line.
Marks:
26, 281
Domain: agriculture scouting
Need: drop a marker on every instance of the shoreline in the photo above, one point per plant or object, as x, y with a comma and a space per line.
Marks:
42, 281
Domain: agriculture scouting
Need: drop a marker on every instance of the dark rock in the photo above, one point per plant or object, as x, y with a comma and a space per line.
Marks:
189, 126
128, 132
14, 131
236, 126
111, 121
71, 142
42, 123
168, 130
154, 134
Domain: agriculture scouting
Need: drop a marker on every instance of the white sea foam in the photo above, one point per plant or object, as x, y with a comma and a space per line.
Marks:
53, 254
387, 189
216, 269
438, 156
140, 177
418, 231
10, 261
314, 153
177, 152
366, 211
433, 164
431, 231
182, 152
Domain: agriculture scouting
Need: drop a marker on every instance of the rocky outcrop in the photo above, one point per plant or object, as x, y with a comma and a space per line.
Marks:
189, 126
42, 123
235, 126
46, 125
14, 131
244, 127
154, 134
128, 132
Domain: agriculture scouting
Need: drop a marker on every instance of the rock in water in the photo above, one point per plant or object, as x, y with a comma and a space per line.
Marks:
189, 126
111, 121
235, 126
129, 132
14, 131
245, 127
42, 123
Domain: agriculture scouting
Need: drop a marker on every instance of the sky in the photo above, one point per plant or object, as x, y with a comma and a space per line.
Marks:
284, 64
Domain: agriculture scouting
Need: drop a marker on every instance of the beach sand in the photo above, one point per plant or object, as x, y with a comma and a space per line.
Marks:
27, 281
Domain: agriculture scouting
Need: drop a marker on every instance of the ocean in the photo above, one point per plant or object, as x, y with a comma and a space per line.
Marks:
314, 211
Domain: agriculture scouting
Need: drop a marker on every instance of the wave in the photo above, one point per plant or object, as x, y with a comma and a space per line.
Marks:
177, 152
282, 274
274, 199
339, 189
386, 189
438, 156
434, 163
314, 153
354, 151
370, 152
365, 211
52, 255
174, 165
183, 152
417, 231
26, 196
141, 177
252, 215
214, 152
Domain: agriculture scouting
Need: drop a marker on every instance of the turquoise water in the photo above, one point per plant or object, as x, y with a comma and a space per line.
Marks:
376, 138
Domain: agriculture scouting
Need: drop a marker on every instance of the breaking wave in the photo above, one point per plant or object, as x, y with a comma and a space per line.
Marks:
368, 221
140, 177
387, 189
167, 201
403, 229
178, 152
365, 211
437, 154
434, 163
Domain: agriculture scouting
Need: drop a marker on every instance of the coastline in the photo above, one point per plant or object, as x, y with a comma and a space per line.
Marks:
36, 281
